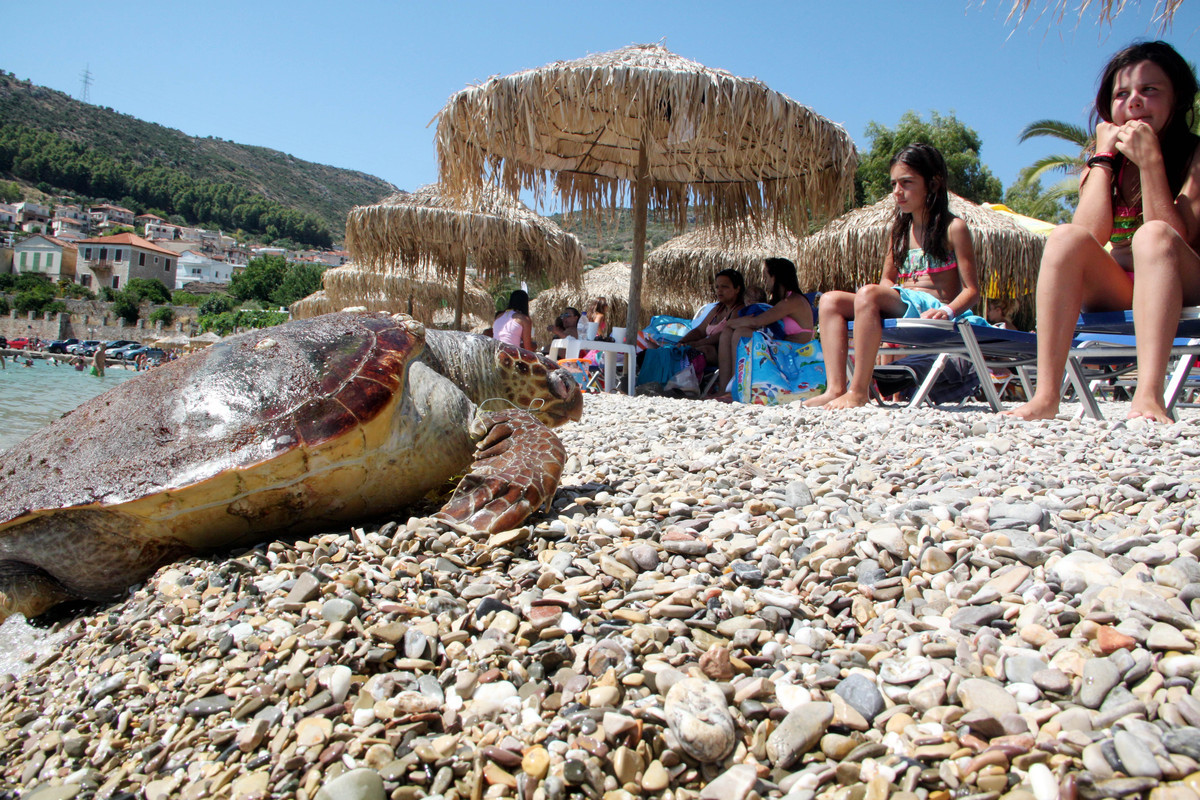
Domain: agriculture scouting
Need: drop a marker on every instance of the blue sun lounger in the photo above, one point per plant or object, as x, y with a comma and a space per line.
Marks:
1094, 356
1113, 330
1121, 322
986, 347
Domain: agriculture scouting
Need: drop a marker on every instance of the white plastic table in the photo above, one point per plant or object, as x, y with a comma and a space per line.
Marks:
571, 346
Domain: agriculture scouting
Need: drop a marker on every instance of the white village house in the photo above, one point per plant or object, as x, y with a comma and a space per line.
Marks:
54, 258
194, 266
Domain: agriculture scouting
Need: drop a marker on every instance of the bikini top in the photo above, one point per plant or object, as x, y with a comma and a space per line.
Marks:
918, 263
791, 327
1126, 219
712, 329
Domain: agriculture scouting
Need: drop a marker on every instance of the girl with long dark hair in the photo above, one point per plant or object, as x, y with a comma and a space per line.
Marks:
1140, 192
928, 272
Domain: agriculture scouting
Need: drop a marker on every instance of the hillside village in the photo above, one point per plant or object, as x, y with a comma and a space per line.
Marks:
69, 242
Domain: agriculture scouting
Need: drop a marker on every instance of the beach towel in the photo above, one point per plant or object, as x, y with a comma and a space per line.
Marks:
663, 329
770, 372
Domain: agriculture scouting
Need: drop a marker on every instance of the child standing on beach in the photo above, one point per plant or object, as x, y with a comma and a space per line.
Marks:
928, 272
1141, 193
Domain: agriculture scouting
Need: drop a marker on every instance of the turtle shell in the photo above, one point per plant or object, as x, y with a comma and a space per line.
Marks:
240, 403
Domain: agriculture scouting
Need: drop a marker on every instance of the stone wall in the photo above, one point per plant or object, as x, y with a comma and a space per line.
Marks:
94, 325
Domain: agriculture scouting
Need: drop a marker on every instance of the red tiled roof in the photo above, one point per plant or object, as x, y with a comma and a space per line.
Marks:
54, 239
129, 239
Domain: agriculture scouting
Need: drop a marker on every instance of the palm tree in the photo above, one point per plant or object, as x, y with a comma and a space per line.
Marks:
1071, 165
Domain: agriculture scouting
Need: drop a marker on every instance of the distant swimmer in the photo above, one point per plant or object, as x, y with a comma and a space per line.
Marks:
98, 362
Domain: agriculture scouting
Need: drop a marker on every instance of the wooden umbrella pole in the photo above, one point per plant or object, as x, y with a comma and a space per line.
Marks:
462, 291
641, 200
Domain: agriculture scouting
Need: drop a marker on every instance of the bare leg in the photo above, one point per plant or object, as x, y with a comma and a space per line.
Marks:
1076, 272
871, 304
1168, 272
834, 310
726, 356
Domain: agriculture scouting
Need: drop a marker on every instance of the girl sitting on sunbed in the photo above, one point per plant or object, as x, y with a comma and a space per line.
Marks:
1141, 192
928, 272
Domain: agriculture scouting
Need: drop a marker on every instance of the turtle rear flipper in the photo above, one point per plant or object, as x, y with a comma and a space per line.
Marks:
518, 464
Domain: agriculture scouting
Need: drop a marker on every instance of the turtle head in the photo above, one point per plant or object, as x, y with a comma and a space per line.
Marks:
486, 369
536, 383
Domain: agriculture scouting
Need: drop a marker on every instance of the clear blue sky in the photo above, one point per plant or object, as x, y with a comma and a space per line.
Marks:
355, 83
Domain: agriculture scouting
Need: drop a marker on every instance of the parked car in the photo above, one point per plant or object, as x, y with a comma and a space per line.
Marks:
154, 356
109, 346
80, 349
60, 345
19, 343
125, 351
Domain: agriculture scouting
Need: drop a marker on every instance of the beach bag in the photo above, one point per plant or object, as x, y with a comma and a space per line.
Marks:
685, 380
956, 382
770, 372
661, 364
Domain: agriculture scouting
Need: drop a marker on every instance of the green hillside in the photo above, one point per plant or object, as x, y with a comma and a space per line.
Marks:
325, 192
612, 238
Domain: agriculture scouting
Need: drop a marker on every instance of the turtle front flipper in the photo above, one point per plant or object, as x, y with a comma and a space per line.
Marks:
518, 464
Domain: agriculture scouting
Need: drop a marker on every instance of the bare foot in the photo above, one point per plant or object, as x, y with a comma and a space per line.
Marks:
850, 399
1034, 409
821, 399
724, 397
1151, 409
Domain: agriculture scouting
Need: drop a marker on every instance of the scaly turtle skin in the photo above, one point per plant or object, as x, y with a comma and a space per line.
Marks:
308, 425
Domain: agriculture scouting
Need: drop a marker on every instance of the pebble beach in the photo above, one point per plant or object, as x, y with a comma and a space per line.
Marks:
724, 602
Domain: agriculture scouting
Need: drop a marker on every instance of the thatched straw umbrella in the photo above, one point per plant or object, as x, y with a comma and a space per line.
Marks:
350, 286
610, 281
384, 291
849, 251
645, 119
1105, 10
682, 270
173, 341
314, 305
204, 340
426, 233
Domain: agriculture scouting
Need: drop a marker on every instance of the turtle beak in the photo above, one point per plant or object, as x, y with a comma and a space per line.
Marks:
559, 401
568, 395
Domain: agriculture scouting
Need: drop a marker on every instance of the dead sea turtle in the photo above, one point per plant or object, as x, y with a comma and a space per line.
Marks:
307, 425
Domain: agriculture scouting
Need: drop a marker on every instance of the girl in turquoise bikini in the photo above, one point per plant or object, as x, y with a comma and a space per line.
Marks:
1141, 192
928, 272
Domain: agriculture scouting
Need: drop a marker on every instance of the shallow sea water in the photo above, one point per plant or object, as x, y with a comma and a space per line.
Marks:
31, 397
